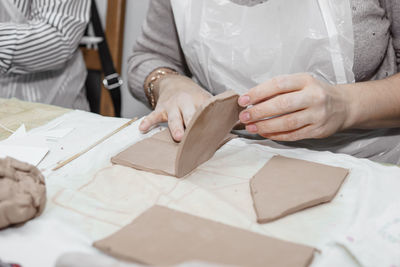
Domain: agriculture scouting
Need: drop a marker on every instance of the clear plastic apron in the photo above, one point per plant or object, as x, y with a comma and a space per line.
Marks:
63, 86
234, 46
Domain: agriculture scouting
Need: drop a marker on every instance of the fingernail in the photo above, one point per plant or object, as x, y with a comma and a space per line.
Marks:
244, 117
178, 134
244, 100
251, 128
143, 126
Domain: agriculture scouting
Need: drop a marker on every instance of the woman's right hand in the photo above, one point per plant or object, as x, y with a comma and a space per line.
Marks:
178, 98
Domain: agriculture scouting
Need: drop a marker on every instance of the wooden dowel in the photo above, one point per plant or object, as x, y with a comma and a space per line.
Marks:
65, 162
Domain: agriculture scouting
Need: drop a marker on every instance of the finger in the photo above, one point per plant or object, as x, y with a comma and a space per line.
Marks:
303, 133
153, 118
187, 111
285, 123
278, 105
275, 86
175, 124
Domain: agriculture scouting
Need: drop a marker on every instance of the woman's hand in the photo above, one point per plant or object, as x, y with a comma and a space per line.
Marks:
295, 107
178, 98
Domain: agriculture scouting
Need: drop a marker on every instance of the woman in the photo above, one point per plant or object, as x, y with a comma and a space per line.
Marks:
39, 56
300, 106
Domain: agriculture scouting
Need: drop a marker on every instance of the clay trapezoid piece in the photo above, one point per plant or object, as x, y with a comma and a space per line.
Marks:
286, 185
208, 130
164, 237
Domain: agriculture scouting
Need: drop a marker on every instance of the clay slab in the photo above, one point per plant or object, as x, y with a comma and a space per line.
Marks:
286, 185
208, 130
164, 237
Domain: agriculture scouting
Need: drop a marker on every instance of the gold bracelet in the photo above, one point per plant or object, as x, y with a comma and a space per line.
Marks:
160, 73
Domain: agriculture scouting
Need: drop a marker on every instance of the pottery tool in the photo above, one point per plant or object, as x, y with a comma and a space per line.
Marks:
65, 162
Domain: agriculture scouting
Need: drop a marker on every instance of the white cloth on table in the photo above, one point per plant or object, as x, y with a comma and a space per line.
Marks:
89, 198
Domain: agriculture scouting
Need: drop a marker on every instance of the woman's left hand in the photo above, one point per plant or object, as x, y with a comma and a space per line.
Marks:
295, 107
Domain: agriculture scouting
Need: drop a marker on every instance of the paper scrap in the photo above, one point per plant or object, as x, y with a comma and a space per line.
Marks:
31, 155
27, 148
58, 133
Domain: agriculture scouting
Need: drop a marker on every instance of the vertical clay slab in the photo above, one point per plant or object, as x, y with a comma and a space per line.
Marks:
208, 130
164, 237
285, 185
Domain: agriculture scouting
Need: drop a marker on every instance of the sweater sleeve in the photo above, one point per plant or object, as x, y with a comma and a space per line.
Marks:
394, 15
47, 40
157, 46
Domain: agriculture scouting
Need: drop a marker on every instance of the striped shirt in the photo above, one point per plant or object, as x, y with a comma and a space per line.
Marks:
39, 56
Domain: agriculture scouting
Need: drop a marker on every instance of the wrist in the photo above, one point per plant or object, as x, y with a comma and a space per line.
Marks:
354, 115
167, 81
152, 83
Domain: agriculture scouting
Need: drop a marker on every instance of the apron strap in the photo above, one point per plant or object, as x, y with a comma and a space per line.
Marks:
111, 81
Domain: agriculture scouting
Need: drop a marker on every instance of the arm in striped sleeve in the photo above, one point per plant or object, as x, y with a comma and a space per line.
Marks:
47, 40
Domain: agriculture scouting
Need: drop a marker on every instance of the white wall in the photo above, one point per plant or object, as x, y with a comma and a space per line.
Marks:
135, 13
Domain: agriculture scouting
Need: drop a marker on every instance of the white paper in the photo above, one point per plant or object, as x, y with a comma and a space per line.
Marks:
58, 133
31, 155
20, 132
27, 148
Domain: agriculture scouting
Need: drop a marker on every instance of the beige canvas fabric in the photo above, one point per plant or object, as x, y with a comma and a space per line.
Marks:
14, 112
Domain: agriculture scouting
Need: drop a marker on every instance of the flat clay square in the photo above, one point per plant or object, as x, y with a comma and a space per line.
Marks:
165, 237
286, 185
152, 154
208, 130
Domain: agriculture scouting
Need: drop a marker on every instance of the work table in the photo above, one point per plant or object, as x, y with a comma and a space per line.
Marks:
90, 198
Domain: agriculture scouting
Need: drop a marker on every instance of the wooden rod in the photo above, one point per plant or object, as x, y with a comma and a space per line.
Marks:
65, 162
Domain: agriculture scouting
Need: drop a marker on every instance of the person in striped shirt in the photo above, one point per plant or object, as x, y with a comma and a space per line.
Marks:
39, 56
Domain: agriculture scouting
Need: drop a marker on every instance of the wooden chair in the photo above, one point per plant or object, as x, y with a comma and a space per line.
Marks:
114, 31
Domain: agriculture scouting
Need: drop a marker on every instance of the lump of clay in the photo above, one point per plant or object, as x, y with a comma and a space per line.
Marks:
286, 185
22, 192
206, 132
165, 237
